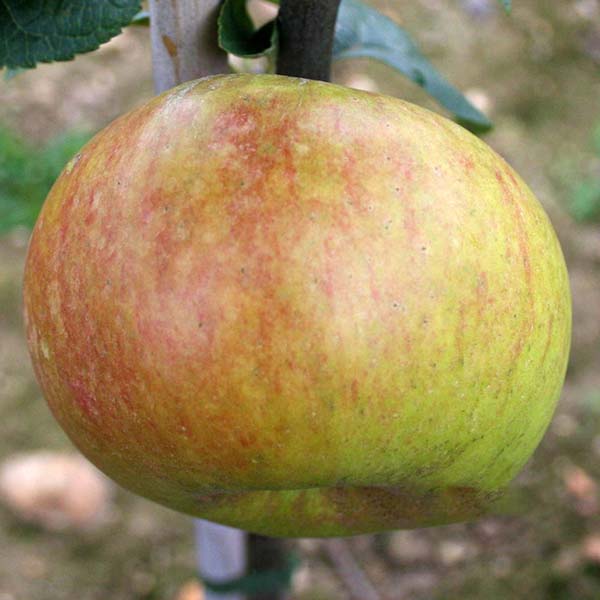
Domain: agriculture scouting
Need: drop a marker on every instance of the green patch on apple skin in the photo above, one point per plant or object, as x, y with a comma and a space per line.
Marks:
384, 304
343, 511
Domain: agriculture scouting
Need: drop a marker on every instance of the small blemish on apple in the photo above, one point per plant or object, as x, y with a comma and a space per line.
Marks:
71, 164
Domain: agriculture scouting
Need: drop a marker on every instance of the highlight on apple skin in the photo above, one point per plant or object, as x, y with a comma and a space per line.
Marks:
298, 309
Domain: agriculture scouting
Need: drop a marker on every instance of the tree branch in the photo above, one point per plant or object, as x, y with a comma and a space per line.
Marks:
306, 29
184, 41
356, 581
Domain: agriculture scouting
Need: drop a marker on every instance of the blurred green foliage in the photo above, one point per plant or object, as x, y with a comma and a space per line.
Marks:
584, 205
27, 173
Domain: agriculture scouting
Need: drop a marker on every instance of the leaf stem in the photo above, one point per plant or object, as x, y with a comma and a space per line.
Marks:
306, 29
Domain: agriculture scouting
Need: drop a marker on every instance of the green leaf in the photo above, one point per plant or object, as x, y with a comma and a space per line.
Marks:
239, 36
142, 18
36, 31
27, 174
363, 32
507, 5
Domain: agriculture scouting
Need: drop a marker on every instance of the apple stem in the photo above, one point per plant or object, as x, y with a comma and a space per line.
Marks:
306, 32
184, 41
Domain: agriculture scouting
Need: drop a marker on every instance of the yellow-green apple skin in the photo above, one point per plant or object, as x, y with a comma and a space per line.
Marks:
298, 309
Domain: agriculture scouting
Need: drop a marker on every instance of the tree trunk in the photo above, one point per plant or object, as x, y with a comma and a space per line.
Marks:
184, 41
184, 47
221, 555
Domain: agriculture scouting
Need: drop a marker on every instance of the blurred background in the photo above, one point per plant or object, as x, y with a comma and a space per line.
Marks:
536, 73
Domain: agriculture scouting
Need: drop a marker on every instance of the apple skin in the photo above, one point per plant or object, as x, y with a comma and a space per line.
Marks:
298, 309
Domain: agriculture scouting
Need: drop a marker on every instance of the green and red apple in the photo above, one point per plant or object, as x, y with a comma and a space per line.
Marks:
298, 309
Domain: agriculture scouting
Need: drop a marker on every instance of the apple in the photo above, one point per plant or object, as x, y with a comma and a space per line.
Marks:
298, 309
